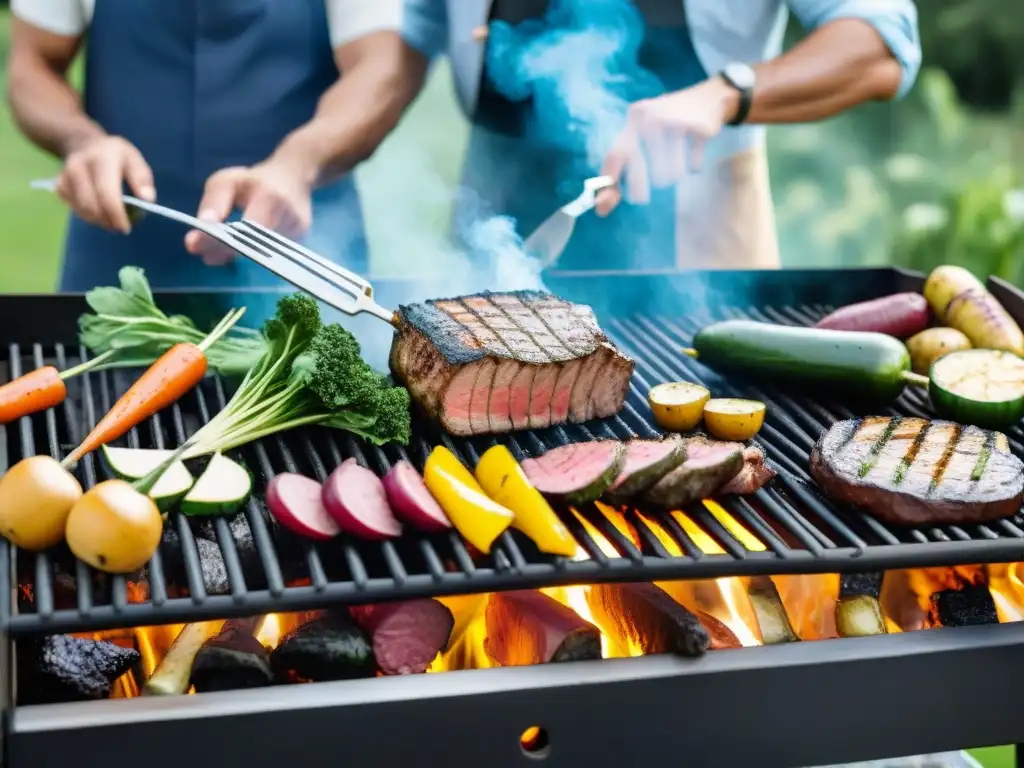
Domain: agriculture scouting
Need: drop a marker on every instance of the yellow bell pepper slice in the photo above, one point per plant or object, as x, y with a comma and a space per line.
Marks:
478, 518
501, 477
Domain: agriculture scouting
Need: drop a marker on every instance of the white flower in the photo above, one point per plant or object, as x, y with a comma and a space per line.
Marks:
925, 216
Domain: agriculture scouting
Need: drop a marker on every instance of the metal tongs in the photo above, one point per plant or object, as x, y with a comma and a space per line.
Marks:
334, 285
548, 241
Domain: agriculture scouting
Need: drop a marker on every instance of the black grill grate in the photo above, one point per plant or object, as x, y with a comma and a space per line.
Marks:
224, 568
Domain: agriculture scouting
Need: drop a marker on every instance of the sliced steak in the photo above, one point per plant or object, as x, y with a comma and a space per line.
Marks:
753, 475
647, 461
496, 362
578, 472
913, 471
708, 466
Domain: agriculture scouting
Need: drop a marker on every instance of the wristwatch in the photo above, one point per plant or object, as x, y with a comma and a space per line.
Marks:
741, 77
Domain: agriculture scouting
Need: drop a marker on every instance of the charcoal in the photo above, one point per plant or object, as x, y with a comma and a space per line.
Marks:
62, 668
332, 647
644, 616
528, 627
232, 660
248, 555
971, 606
211, 562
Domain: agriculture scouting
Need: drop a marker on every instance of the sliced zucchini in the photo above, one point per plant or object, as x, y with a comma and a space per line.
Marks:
223, 487
983, 387
677, 405
136, 463
771, 614
733, 419
858, 613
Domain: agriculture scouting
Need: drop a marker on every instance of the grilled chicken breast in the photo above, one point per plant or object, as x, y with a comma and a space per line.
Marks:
913, 471
498, 362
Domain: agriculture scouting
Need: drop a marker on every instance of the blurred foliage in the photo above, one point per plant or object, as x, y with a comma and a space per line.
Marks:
931, 179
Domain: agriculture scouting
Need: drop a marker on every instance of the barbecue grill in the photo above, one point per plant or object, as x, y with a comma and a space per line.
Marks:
832, 699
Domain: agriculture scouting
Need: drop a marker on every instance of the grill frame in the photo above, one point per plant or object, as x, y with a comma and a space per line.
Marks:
685, 295
709, 712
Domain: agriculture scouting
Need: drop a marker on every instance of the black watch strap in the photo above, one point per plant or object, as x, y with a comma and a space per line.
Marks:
746, 91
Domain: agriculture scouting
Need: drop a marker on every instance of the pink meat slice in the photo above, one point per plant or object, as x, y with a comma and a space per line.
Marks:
499, 411
563, 391
479, 402
540, 396
641, 454
519, 397
568, 468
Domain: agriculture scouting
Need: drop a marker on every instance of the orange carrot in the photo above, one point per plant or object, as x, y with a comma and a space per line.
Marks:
35, 391
176, 372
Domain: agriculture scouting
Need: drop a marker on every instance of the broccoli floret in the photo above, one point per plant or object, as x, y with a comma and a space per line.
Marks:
296, 313
393, 422
340, 378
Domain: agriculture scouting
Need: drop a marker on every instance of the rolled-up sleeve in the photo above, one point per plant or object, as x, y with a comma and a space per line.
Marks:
425, 26
895, 21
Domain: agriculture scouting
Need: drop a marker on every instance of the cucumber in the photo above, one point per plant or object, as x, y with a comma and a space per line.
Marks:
223, 487
870, 366
136, 463
983, 387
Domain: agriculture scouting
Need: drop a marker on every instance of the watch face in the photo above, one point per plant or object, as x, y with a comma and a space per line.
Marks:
741, 75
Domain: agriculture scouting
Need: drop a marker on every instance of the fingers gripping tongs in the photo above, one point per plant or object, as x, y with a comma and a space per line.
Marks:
334, 285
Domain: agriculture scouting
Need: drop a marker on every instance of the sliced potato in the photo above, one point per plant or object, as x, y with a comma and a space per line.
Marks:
678, 405
932, 343
733, 419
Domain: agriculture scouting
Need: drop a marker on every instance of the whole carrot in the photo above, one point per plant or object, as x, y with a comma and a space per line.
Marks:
176, 372
40, 389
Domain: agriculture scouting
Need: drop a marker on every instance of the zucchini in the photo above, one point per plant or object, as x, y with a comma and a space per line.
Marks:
771, 614
983, 387
858, 613
223, 487
677, 406
136, 463
866, 365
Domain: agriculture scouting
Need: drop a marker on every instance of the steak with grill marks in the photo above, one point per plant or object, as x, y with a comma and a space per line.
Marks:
914, 471
498, 362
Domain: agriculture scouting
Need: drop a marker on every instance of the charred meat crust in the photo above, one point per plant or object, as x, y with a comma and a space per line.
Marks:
913, 471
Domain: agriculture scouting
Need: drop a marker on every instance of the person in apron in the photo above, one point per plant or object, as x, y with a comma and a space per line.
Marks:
177, 92
718, 215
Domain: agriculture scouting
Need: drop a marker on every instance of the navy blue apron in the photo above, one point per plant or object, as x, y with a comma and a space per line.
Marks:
197, 86
519, 169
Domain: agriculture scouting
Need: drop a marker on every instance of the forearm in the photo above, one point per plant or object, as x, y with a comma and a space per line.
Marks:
45, 107
357, 113
838, 66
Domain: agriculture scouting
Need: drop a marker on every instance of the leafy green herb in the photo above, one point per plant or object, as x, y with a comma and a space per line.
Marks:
310, 374
127, 329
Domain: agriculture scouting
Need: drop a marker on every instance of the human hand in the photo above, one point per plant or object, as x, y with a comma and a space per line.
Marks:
93, 176
664, 139
276, 194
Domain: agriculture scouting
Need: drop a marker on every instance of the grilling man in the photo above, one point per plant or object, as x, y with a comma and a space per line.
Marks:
210, 106
703, 76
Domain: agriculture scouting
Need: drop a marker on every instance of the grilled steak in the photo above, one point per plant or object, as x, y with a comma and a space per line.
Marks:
753, 475
646, 462
709, 465
578, 472
914, 471
498, 362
